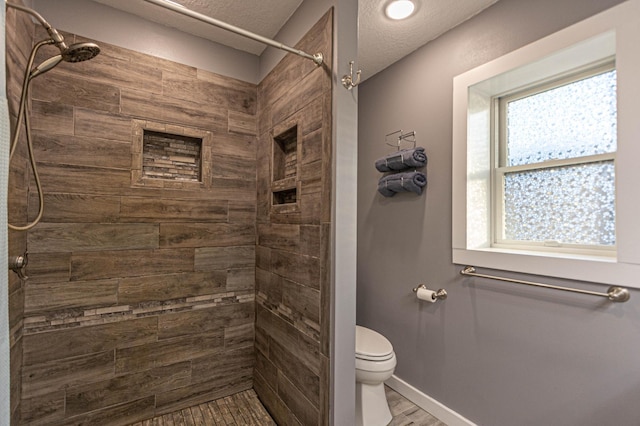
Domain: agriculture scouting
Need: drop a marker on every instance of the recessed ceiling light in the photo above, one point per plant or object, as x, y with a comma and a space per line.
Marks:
400, 9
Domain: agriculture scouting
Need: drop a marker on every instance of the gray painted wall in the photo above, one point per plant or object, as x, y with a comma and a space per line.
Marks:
497, 353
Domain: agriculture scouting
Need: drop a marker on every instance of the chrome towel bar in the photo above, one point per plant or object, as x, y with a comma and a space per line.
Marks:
615, 294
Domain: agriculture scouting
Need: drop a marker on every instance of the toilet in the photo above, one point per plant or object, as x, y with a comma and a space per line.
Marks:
375, 362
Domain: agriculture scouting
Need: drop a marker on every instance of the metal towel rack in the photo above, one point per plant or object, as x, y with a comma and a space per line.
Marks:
615, 294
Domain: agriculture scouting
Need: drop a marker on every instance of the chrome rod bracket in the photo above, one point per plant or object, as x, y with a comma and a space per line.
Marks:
347, 80
618, 294
614, 294
318, 58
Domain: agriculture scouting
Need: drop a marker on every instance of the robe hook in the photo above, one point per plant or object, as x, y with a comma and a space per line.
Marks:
347, 80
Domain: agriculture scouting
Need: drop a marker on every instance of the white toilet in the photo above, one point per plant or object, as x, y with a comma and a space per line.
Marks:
375, 362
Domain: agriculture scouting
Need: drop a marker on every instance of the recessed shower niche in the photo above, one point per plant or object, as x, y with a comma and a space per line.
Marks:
170, 156
285, 181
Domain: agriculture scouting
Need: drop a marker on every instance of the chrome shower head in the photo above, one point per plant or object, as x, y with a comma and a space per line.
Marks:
79, 52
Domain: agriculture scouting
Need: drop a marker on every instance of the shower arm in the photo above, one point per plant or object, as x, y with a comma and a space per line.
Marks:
317, 58
53, 33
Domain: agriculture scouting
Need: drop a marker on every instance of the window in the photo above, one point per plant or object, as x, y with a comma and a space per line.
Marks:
554, 180
552, 190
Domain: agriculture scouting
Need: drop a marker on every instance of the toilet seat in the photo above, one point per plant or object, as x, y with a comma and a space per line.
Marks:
372, 346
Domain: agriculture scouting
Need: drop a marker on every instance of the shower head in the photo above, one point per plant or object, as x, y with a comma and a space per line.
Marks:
77, 52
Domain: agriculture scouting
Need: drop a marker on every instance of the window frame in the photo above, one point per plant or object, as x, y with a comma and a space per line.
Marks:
612, 33
500, 168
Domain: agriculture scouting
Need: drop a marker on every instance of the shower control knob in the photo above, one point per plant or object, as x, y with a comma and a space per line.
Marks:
18, 264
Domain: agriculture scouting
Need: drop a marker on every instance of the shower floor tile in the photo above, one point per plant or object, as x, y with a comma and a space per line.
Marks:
244, 409
240, 409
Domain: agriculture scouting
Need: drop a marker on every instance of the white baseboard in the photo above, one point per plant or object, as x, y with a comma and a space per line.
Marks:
424, 401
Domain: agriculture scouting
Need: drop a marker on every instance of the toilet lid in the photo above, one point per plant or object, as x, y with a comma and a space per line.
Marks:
372, 345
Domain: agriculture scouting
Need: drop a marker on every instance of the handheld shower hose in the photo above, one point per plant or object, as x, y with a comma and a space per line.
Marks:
75, 53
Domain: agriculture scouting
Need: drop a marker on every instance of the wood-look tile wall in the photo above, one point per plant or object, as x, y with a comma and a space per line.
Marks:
19, 37
292, 264
141, 297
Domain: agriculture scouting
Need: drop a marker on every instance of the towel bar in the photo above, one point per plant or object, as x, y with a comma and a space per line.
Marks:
615, 294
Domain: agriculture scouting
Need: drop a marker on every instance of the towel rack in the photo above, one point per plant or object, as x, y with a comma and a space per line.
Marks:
615, 294
409, 137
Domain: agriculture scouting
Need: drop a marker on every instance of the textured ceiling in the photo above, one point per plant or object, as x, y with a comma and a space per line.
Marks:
382, 41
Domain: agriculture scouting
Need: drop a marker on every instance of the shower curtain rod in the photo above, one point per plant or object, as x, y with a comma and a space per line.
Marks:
317, 58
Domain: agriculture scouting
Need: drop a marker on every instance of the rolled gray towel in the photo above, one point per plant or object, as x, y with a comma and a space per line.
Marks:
389, 185
401, 160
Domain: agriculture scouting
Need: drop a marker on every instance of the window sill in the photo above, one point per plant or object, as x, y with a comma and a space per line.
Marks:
599, 269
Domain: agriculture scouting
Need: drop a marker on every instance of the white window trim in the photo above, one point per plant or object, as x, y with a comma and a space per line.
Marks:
612, 32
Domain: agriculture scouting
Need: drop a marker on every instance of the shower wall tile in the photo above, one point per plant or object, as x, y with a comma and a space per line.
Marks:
239, 360
122, 414
140, 104
82, 151
15, 300
242, 123
299, 405
153, 354
268, 394
67, 178
55, 376
76, 208
326, 292
138, 208
15, 387
209, 91
239, 96
214, 258
310, 87
134, 290
53, 118
123, 388
67, 343
78, 237
298, 268
198, 393
204, 234
54, 87
239, 336
49, 268
236, 146
141, 299
204, 320
43, 410
98, 265
292, 326
90, 123
51, 297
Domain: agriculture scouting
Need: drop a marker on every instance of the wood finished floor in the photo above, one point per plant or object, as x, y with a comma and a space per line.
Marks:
245, 409
406, 413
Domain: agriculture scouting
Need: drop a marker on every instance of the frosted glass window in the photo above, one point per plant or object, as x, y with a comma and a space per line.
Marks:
571, 205
574, 120
556, 181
